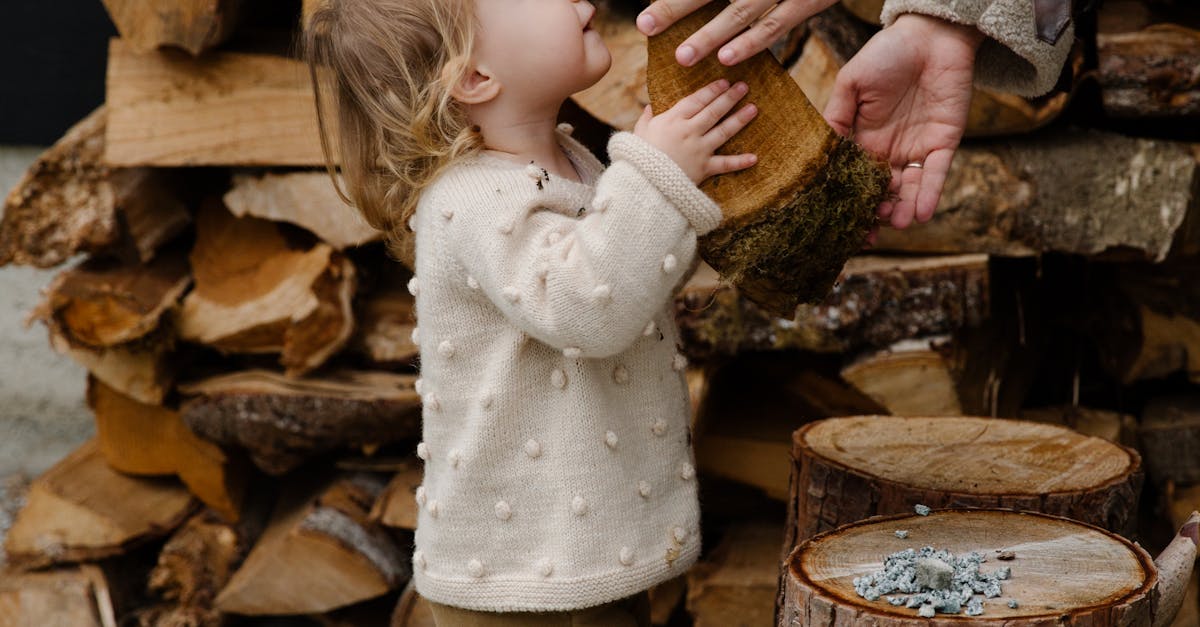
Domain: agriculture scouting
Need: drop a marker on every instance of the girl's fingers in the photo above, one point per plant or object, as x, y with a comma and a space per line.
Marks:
701, 98
722, 105
730, 126
721, 164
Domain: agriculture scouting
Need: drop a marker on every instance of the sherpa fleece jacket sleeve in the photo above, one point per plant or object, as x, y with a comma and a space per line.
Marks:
1011, 58
587, 285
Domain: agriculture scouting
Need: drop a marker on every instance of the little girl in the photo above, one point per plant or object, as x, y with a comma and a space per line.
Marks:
559, 481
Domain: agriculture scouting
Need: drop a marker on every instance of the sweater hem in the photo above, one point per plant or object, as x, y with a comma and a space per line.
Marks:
550, 595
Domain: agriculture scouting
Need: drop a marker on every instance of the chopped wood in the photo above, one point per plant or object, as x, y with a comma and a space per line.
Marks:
865, 10
65, 597
307, 199
1170, 438
412, 610
147, 440
909, 378
876, 302
1078, 574
850, 468
1109, 425
665, 597
397, 506
1150, 72
256, 293
319, 552
1084, 192
283, 421
1181, 502
225, 108
735, 583
193, 25
150, 208
387, 316
791, 221
82, 509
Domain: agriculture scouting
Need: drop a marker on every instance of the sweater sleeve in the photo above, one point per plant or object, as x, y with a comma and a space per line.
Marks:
586, 285
1012, 58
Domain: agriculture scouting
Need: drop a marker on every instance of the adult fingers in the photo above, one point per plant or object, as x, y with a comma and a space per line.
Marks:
721, 164
937, 164
697, 101
730, 126
888, 206
769, 28
842, 107
729, 22
663, 13
910, 182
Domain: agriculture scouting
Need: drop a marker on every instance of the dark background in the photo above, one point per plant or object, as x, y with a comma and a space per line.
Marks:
52, 56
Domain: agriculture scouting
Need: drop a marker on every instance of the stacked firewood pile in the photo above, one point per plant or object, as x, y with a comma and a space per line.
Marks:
250, 353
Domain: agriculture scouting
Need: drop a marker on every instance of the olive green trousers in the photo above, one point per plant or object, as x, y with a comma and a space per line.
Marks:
631, 611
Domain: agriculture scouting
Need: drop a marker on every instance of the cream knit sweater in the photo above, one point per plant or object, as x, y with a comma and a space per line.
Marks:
556, 440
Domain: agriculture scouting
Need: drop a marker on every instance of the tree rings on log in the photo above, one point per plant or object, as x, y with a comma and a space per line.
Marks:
1063, 572
848, 469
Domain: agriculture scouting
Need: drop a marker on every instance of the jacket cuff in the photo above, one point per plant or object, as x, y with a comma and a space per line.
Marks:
666, 175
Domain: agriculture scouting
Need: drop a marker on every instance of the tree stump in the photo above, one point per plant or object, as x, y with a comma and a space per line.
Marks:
1064, 572
848, 469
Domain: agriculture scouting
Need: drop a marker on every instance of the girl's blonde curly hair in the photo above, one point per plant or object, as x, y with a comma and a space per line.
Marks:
385, 68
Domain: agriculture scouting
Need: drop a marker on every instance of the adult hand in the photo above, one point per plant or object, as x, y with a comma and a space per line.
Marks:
905, 96
763, 22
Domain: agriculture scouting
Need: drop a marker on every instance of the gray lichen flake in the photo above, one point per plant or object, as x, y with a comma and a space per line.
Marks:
934, 580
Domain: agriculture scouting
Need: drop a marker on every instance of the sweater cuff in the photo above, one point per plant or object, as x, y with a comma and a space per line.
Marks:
666, 175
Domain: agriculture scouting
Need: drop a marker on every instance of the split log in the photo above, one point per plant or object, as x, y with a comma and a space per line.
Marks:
1170, 439
1063, 573
127, 212
412, 610
193, 25
876, 302
665, 597
318, 553
81, 509
284, 421
1109, 425
1080, 192
148, 440
387, 317
735, 584
397, 506
169, 109
256, 293
910, 378
195, 563
753, 405
306, 199
1150, 72
791, 221
835, 36
848, 469
67, 597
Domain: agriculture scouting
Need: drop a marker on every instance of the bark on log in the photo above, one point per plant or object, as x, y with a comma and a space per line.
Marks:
318, 553
284, 421
148, 440
791, 221
71, 597
876, 302
1170, 438
1063, 573
169, 109
735, 583
306, 199
1080, 192
193, 25
256, 293
1150, 72
81, 509
851, 468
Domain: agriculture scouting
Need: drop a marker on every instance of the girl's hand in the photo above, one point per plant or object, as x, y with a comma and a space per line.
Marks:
691, 131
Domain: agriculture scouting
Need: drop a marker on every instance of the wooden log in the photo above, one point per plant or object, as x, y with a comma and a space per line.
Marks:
1064, 572
1080, 192
193, 25
397, 506
847, 469
665, 597
1181, 501
909, 378
169, 109
149, 440
387, 317
1150, 72
412, 610
876, 302
1109, 425
284, 421
65, 597
306, 199
318, 552
735, 584
792, 220
82, 509
835, 35
256, 293
1169, 438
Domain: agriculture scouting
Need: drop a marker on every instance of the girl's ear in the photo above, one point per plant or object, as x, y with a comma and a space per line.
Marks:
475, 86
